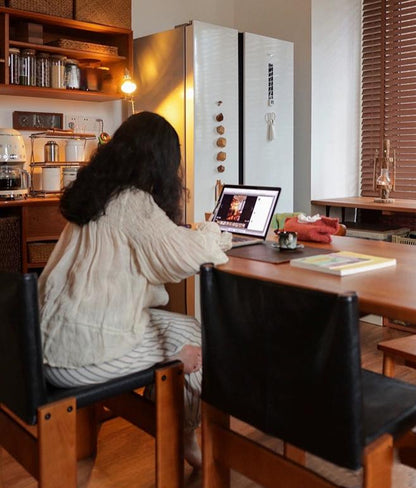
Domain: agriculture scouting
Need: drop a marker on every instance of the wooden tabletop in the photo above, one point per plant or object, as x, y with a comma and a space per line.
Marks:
389, 292
24, 202
399, 205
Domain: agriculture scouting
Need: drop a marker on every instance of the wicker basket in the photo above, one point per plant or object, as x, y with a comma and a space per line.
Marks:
85, 46
108, 12
10, 245
60, 8
39, 252
403, 240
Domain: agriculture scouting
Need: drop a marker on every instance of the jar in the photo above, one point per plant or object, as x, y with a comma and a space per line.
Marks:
43, 69
72, 75
57, 71
14, 66
51, 151
90, 75
28, 67
75, 150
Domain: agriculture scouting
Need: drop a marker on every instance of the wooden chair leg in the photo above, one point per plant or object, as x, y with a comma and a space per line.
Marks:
215, 475
388, 365
406, 447
57, 445
169, 427
378, 463
87, 432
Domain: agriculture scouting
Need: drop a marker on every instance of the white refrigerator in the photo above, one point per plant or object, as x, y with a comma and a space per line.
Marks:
229, 95
230, 98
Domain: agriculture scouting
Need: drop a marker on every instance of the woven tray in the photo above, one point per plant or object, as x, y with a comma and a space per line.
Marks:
10, 246
85, 46
60, 8
116, 13
39, 252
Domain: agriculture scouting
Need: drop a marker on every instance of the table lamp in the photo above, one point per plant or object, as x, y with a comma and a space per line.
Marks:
384, 173
128, 87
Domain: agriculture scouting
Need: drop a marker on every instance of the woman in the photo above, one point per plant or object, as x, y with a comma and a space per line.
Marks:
100, 287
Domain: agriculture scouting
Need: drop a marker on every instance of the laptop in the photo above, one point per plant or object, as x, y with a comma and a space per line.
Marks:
246, 212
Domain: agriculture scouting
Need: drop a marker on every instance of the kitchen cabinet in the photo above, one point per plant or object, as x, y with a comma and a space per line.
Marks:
40, 226
111, 47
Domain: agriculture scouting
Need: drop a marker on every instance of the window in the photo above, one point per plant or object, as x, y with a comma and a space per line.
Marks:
389, 91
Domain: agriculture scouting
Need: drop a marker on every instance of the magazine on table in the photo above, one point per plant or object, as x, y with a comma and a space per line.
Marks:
343, 262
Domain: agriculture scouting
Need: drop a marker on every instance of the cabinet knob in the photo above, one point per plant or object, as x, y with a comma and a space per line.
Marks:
221, 156
220, 129
221, 168
219, 117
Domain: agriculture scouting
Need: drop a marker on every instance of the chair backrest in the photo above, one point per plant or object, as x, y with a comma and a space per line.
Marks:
286, 360
22, 383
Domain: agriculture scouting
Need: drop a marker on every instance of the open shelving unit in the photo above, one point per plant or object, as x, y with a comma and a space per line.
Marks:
58, 28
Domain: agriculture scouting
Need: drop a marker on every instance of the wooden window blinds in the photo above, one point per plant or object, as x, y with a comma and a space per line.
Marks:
389, 91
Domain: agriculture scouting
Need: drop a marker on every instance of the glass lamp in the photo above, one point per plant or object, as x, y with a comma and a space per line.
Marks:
128, 87
382, 179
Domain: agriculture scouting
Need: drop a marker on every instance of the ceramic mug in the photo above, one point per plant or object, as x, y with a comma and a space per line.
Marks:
287, 240
51, 179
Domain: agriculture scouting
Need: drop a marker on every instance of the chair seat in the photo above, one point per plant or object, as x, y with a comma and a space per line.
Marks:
89, 394
394, 412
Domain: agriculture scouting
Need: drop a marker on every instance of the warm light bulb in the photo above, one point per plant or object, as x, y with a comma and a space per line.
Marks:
128, 86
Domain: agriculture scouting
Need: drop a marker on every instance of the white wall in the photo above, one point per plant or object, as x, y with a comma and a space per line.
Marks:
335, 98
159, 15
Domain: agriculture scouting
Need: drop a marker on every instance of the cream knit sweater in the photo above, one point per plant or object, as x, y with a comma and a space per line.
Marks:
101, 278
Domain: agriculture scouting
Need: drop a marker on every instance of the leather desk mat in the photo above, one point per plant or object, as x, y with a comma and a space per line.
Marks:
269, 254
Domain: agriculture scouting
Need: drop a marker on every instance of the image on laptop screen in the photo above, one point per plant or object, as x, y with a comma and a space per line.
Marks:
246, 210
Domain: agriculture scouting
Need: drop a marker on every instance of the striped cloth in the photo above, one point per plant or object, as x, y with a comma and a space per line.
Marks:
164, 337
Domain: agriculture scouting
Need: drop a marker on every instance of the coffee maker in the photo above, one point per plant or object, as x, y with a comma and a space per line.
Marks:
14, 179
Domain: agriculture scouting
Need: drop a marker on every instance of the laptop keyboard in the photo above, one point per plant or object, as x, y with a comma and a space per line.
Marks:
241, 239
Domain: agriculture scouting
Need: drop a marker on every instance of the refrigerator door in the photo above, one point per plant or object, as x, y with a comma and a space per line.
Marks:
268, 115
212, 113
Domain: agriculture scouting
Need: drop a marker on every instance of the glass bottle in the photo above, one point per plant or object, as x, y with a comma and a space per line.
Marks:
58, 71
14, 66
28, 67
43, 70
72, 75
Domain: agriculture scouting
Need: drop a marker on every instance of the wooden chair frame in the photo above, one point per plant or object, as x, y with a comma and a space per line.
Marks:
49, 449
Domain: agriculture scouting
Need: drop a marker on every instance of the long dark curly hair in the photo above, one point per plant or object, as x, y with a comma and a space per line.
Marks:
144, 153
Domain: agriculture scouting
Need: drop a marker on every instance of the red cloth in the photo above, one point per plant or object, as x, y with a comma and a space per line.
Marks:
319, 231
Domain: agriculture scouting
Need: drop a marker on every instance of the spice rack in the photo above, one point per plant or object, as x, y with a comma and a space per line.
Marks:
56, 30
53, 134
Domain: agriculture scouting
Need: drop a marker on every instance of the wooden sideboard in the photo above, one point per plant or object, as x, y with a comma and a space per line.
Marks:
40, 226
367, 203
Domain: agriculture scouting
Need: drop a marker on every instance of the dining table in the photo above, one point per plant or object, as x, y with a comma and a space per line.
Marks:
388, 292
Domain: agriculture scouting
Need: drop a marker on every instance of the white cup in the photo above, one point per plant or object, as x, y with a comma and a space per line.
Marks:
51, 179
69, 174
75, 150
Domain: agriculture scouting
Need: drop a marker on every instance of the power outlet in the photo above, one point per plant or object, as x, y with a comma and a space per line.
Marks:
82, 123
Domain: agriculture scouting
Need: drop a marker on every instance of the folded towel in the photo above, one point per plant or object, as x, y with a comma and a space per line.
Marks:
319, 231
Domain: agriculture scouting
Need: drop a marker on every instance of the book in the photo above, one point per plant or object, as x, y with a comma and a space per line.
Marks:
343, 263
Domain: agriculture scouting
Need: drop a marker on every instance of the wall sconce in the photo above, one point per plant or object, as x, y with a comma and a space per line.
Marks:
128, 87
384, 174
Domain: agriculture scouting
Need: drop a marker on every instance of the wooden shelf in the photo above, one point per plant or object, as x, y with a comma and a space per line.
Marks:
33, 91
85, 34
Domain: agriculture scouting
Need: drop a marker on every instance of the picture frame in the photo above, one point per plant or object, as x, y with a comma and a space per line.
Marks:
37, 121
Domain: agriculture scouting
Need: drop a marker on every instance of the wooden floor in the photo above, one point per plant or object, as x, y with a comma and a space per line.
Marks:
125, 454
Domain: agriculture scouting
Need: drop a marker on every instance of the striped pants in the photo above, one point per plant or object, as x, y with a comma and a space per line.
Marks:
164, 337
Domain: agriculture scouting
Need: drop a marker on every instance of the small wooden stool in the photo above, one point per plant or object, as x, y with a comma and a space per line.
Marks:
403, 348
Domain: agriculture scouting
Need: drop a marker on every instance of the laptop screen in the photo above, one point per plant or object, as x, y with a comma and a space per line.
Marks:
246, 210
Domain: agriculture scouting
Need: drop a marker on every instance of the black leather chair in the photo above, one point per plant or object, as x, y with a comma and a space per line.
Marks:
46, 429
286, 360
